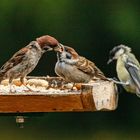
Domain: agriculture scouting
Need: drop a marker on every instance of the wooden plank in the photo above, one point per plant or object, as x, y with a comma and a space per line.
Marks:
87, 98
39, 103
96, 96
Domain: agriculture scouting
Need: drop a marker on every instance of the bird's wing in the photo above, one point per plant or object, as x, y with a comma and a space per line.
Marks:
89, 67
15, 60
133, 68
84, 65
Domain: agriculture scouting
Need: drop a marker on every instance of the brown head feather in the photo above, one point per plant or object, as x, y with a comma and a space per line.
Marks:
72, 51
47, 40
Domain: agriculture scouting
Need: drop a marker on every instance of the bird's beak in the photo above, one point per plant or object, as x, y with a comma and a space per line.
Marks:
109, 61
58, 48
48, 48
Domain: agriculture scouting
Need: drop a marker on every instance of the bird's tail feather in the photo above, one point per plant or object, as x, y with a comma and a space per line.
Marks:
100, 75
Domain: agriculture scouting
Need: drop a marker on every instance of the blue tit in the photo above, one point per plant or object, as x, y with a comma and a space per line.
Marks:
127, 67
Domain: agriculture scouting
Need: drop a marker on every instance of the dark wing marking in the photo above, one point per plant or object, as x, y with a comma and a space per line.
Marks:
15, 60
83, 65
134, 72
89, 67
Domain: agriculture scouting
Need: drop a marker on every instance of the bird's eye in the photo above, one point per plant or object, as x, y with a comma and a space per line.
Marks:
66, 49
62, 49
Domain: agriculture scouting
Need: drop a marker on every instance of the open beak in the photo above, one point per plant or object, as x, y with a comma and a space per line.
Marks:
58, 48
48, 48
109, 61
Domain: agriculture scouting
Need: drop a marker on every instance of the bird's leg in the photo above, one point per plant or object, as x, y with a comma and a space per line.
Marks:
10, 85
22, 81
119, 82
73, 86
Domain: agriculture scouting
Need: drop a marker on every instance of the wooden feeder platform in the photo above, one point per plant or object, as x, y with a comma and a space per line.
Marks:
94, 96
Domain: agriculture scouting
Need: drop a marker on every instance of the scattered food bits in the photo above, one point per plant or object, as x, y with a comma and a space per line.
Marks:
48, 85
15, 82
38, 83
74, 88
78, 86
5, 82
68, 85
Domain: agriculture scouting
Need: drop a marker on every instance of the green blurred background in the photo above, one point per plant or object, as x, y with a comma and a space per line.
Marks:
92, 27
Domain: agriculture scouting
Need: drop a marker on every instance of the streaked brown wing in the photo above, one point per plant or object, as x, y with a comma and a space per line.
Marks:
85, 65
89, 67
15, 60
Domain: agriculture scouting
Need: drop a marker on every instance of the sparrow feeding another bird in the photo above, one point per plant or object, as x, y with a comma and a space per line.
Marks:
26, 59
128, 68
74, 68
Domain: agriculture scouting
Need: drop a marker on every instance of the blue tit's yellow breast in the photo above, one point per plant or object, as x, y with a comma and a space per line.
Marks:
124, 76
122, 72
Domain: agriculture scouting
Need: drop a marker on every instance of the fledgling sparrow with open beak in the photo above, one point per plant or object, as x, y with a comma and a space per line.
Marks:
26, 59
128, 68
75, 68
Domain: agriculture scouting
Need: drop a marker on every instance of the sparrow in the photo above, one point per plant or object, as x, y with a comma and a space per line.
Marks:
127, 67
75, 68
25, 60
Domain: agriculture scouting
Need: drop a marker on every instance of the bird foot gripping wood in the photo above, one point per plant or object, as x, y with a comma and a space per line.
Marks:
118, 82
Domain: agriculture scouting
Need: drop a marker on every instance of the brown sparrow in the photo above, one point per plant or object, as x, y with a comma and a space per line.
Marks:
75, 68
26, 59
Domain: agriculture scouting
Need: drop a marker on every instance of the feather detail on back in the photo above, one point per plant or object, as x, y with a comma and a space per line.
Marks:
89, 67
